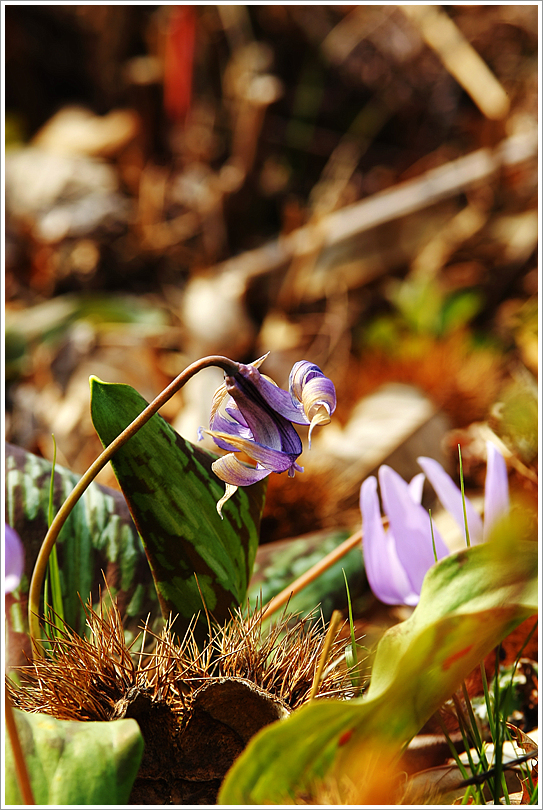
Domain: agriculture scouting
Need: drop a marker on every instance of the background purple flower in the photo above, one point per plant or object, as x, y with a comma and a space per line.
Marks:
397, 559
496, 494
14, 559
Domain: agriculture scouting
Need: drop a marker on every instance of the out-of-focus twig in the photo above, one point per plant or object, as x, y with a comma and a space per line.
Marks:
385, 206
354, 27
462, 61
442, 245
250, 88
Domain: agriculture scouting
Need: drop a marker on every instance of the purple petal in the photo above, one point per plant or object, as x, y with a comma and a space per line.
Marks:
281, 401
451, 498
217, 419
295, 468
410, 525
272, 460
14, 559
254, 396
310, 387
385, 573
318, 403
220, 442
220, 424
229, 490
416, 486
236, 415
496, 488
232, 471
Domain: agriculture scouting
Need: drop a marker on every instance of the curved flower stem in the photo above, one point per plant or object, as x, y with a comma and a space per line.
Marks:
229, 366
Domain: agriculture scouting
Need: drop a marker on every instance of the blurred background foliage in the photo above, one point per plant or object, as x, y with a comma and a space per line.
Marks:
352, 185
184, 180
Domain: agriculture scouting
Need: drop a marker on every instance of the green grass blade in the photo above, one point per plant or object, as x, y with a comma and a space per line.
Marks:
53, 572
463, 496
471, 790
433, 538
353, 662
499, 725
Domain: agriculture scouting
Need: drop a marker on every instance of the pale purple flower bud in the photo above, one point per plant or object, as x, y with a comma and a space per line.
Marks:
496, 494
451, 498
386, 575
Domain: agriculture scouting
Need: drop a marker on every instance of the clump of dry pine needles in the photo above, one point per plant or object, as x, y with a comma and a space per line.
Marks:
90, 678
196, 708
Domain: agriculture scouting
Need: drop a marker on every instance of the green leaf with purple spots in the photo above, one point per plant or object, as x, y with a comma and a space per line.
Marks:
172, 494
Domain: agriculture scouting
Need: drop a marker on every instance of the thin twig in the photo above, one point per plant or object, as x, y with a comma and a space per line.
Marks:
335, 621
385, 206
21, 771
312, 574
460, 58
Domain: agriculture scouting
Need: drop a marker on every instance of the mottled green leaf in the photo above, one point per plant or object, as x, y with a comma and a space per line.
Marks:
469, 602
99, 535
172, 494
73, 763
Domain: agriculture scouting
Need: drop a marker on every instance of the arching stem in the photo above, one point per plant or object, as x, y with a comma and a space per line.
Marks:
36, 584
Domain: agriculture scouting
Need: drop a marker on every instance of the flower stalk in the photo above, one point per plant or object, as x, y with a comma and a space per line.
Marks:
36, 584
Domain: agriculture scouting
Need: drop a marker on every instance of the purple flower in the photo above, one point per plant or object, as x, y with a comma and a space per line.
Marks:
250, 413
14, 560
397, 560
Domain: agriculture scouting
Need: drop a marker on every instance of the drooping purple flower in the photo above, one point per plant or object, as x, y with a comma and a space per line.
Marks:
250, 413
14, 559
397, 560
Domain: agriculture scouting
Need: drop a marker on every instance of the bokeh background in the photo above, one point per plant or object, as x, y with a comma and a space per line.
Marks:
352, 185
